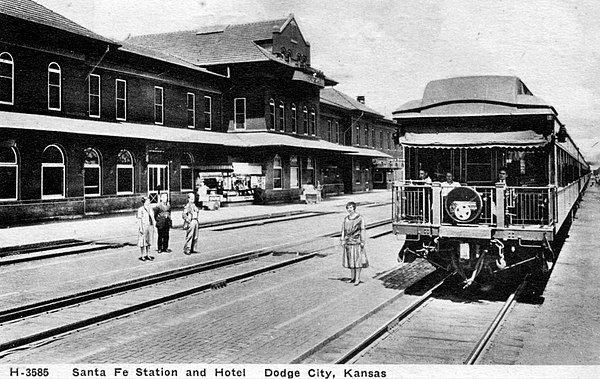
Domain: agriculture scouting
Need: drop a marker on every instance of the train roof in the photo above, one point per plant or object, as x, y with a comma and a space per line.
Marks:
474, 95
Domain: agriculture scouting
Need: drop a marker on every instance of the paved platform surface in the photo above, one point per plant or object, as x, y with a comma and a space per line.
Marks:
117, 228
566, 330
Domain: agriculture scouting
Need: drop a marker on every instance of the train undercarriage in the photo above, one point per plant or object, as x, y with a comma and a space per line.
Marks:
481, 262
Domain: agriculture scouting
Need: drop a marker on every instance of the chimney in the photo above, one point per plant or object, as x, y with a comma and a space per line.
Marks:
360, 99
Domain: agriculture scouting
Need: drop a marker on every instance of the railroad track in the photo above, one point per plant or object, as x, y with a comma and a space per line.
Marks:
429, 330
52, 249
32, 323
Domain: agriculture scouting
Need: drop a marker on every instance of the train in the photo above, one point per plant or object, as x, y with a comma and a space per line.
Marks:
491, 178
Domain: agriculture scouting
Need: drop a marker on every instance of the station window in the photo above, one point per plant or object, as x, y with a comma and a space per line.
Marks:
187, 172
281, 116
239, 110
294, 119
54, 87
7, 79
159, 105
9, 172
294, 172
53, 173
124, 173
305, 120
357, 172
373, 139
337, 132
91, 169
277, 173
121, 99
191, 110
272, 121
329, 131
309, 172
313, 122
207, 112
94, 96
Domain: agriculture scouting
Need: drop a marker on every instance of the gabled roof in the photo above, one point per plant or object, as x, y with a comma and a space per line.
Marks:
31, 11
473, 95
333, 97
212, 45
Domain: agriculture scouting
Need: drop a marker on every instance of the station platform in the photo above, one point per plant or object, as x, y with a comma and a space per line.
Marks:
566, 330
122, 227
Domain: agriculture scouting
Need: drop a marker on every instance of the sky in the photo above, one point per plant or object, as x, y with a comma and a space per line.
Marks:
388, 50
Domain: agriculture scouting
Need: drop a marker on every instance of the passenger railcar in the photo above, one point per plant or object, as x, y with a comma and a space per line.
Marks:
473, 128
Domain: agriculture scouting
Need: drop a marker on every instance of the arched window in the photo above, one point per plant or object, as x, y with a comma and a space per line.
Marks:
54, 86
7, 79
91, 176
53, 172
124, 173
313, 122
9, 172
294, 119
271, 114
277, 173
305, 120
281, 116
187, 172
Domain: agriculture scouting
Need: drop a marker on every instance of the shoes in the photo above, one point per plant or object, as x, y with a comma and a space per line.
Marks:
159, 251
187, 253
356, 283
167, 251
149, 258
142, 259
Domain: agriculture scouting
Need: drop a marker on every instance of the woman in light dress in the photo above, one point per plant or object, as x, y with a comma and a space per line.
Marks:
353, 243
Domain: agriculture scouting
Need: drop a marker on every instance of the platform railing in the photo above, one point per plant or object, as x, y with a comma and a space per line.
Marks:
501, 205
412, 203
530, 205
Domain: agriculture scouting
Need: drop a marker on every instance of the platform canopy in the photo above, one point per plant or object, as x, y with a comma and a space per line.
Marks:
515, 139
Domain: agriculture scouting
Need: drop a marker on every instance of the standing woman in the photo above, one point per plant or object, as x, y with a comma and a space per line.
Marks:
146, 223
190, 224
353, 243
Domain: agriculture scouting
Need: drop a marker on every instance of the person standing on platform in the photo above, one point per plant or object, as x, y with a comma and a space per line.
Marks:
163, 223
190, 224
146, 223
319, 192
353, 243
202, 194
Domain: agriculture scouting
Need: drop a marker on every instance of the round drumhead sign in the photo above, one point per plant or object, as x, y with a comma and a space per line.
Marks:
463, 204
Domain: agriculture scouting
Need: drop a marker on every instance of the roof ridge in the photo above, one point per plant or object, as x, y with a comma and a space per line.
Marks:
256, 22
160, 34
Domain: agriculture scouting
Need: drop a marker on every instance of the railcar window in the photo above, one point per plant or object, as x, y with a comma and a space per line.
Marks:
479, 165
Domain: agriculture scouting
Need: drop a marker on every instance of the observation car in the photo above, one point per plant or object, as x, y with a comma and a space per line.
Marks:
473, 127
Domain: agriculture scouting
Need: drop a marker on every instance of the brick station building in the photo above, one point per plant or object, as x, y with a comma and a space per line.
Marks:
88, 124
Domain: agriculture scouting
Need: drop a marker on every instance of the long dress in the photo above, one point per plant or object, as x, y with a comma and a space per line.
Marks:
354, 255
147, 223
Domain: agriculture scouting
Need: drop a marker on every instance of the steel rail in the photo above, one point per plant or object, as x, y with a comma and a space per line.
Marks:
64, 301
484, 340
389, 325
215, 284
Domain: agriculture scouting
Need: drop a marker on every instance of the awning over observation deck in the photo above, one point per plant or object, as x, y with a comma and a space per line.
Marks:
516, 139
